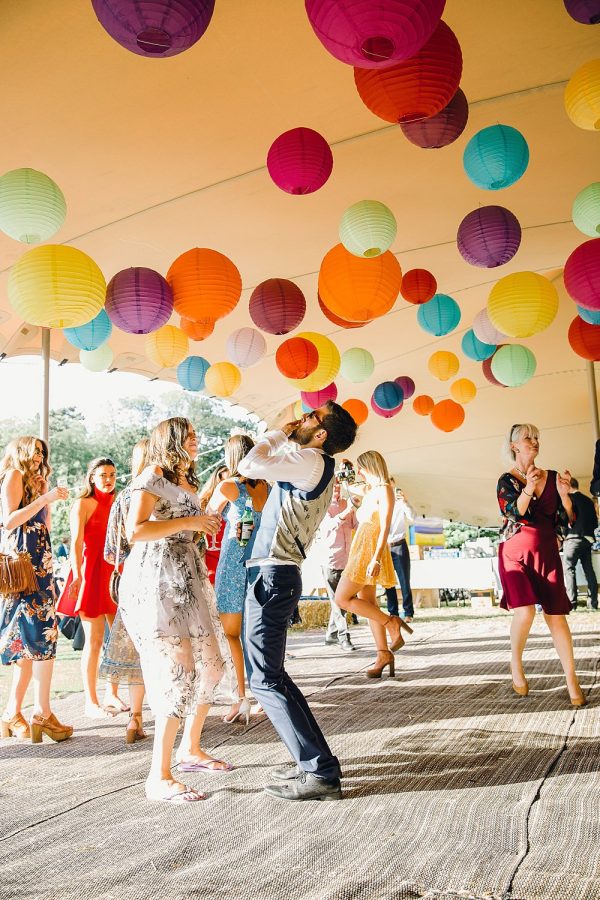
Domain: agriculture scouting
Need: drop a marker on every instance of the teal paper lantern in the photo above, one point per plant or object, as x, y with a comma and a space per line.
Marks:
91, 335
496, 157
439, 316
388, 395
513, 365
368, 228
191, 373
356, 365
32, 206
591, 316
475, 349
586, 210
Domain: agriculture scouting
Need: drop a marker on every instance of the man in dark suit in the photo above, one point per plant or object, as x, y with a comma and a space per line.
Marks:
578, 545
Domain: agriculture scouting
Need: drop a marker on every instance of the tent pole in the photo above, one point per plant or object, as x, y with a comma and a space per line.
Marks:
44, 412
591, 375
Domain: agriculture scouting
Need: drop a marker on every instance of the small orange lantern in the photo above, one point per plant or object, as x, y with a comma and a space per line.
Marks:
197, 331
423, 404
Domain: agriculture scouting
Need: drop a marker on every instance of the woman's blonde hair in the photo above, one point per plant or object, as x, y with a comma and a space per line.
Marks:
19, 455
236, 448
210, 485
140, 447
373, 462
166, 450
88, 488
517, 432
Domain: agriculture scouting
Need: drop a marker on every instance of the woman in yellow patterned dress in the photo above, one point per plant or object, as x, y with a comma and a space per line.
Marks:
370, 562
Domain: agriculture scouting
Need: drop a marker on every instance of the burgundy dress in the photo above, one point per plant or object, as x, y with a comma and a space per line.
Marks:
529, 563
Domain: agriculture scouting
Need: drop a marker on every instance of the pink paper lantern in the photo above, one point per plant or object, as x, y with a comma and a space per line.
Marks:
385, 413
314, 399
300, 161
277, 306
582, 274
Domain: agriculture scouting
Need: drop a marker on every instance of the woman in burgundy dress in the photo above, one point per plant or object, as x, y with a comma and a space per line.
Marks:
536, 507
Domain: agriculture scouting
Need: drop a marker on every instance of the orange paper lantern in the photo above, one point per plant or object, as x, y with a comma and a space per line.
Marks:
297, 357
463, 390
418, 286
343, 323
205, 285
357, 409
423, 404
197, 331
584, 339
443, 365
447, 415
356, 289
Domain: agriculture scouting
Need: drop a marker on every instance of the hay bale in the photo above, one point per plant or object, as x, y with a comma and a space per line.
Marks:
314, 613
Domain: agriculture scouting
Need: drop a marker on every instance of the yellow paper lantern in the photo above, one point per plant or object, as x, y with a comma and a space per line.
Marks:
443, 365
327, 367
98, 360
298, 412
522, 304
222, 379
463, 390
56, 287
582, 96
167, 346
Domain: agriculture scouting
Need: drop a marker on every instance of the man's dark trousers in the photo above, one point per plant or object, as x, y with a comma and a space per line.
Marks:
273, 592
574, 549
401, 561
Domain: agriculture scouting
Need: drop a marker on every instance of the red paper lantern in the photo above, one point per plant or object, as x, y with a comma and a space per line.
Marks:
357, 409
297, 358
205, 284
277, 306
418, 286
423, 404
197, 331
343, 323
447, 415
584, 339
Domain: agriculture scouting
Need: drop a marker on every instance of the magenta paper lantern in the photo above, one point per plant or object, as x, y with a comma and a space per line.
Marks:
373, 35
406, 385
582, 274
314, 399
300, 161
277, 306
138, 300
385, 413
155, 29
443, 128
585, 11
489, 236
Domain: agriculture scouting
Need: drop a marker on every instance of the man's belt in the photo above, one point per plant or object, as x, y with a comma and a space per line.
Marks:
396, 543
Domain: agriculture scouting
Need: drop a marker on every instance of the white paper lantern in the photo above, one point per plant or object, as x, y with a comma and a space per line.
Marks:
246, 347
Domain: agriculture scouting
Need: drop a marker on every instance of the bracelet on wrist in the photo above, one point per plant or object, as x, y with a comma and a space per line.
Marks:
526, 494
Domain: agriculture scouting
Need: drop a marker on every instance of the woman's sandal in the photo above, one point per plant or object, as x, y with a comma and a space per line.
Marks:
204, 765
178, 794
135, 734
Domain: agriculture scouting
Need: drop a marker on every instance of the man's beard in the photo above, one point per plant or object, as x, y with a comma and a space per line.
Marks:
303, 434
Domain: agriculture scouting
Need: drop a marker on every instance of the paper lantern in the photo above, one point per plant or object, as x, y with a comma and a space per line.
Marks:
443, 365
385, 413
406, 385
423, 404
328, 365
373, 35
486, 368
417, 88
300, 161
591, 316
167, 346
513, 365
56, 286
496, 157
357, 364
359, 290
98, 360
463, 390
91, 335
191, 373
222, 379
368, 228
197, 331
155, 29
138, 300
584, 339
447, 415
484, 331
32, 206
585, 11
489, 236
443, 128
314, 399
388, 395
522, 304
582, 96
439, 316
582, 274
475, 349
296, 358
277, 306
418, 286
357, 409
297, 410
246, 347
343, 323
205, 284
586, 210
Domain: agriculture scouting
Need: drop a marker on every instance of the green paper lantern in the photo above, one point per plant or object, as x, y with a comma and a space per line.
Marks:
368, 228
98, 360
513, 365
32, 206
356, 365
586, 210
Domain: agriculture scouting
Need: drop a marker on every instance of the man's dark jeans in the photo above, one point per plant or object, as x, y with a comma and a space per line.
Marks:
401, 561
575, 549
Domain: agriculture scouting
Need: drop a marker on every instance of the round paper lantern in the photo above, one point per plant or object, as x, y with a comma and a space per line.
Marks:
463, 390
314, 399
439, 316
423, 404
56, 286
151, 28
359, 290
197, 331
373, 35
489, 236
484, 331
486, 368
246, 347
385, 413
32, 206
191, 373
443, 365
388, 395
357, 364
327, 367
406, 385
584, 339
591, 316
167, 346
300, 161
368, 228
205, 284
417, 88
585, 11
98, 360
496, 157
222, 379
582, 274
582, 96
522, 304
475, 349
296, 358
418, 286
138, 300
91, 335
443, 128
513, 365
298, 410
357, 409
447, 415
277, 306
343, 323
586, 210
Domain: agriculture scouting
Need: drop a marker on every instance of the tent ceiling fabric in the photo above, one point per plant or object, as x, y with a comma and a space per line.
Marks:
157, 156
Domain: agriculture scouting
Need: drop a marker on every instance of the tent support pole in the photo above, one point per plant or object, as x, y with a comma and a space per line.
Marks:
591, 377
44, 412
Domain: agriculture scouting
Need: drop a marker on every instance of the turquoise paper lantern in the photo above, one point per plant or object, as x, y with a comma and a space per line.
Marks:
91, 335
388, 395
496, 157
32, 206
586, 210
368, 228
439, 316
356, 365
513, 365
191, 373
591, 316
475, 349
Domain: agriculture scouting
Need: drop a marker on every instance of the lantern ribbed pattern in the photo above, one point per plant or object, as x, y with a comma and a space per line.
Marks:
443, 365
442, 129
584, 339
385, 413
496, 157
586, 210
463, 390
296, 358
591, 316
300, 161
222, 379
486, 368
417, 88
447, 415
191, 373
98, 360
582, 274
368, 228
585, 11
439, 316
277, 306
197, 331
513, 365
582, 96
138, 300
522, 304
357, 409
327, 368
167, 346
205, 284
418, 286
484, 331
314, 399
337, 320
56, 287
489, 236
246, 347
32, 206
357, 365
359, 289
423, 404
475, 349
155, 28
406, 385
91, 335
388, 395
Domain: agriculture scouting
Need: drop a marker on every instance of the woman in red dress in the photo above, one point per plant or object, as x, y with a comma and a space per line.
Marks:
537, 509
213, 548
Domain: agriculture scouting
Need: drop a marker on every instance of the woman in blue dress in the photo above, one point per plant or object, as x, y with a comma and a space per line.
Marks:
230, 499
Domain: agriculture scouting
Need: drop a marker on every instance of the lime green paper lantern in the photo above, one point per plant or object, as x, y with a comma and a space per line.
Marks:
32, 206
522, 304
586, 210
356, 365
98, 360
513, 365
368, 228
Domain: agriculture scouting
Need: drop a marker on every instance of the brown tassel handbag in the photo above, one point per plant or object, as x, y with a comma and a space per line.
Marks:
17, 575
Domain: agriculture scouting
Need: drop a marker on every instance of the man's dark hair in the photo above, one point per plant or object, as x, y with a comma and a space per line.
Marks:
574, 483
340, 428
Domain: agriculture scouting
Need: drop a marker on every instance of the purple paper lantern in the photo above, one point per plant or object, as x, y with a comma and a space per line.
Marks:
138, 300
406, 385
314, 399
300, 161
582, 274
443, 128
277, 306
155, 29
489, 236
585, 11
385, 413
